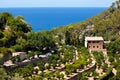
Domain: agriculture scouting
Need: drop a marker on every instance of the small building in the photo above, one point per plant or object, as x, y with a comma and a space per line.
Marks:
94, 43
22, 55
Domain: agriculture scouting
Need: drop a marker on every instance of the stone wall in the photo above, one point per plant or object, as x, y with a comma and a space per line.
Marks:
76, 76
22, 64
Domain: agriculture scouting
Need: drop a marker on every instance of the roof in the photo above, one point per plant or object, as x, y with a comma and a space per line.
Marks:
93, 38
18, 53
43, 56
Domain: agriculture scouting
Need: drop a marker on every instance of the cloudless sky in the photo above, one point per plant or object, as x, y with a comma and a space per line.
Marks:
55, 3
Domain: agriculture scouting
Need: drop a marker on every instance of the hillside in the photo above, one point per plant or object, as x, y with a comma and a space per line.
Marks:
105, 24
64, 48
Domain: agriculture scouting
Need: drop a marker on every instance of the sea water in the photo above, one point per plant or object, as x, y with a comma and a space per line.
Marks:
48, 18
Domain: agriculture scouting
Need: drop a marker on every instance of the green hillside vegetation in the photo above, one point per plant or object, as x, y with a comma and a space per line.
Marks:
105, 24
16, 35
13, 31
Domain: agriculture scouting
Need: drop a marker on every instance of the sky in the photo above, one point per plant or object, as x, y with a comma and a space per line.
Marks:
55, 3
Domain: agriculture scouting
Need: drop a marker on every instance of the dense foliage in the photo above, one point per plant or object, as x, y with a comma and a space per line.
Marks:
63, 42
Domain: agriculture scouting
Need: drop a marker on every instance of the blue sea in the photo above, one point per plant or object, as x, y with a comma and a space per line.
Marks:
48, 18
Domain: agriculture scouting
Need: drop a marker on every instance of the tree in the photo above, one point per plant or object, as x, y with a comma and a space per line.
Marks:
58, 75
105, 66
67, 72
118, 4
17, 48
41, 65
27, 70
1, 34
19, 17
111, 58
48, 66
31, 55
114, 46
54, 63
62, 76
112, 7
17, 24
4, 17
63, 60
50, 58
118, 74
38, 77
95, 74
17, 77
40, 40
68, 54
67, 37
9, 38
37, 53
69, 69
3, 74
36, 71
71, 36
81, 77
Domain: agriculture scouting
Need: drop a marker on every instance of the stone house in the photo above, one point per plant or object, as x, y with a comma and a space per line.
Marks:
94, 43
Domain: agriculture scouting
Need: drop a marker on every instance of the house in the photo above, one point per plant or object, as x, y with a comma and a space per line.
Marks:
94, 43
22, 55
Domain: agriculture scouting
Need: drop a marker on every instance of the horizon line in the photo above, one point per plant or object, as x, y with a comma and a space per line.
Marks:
60, 7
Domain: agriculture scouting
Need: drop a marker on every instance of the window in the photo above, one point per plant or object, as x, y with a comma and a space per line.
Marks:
89, 41
97, 46
93, 46
97, 41
89, 46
